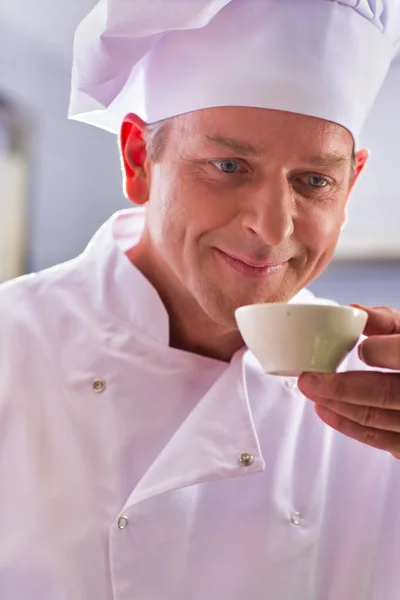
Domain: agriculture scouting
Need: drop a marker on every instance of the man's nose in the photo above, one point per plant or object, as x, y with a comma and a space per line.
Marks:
269, 212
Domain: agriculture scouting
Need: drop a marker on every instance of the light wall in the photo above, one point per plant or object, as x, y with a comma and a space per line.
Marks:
76, 180
374, 207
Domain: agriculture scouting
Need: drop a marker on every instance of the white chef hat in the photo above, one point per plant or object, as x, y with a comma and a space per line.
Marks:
161, 58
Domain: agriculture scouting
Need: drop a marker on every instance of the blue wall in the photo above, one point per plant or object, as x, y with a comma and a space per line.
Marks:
372, 284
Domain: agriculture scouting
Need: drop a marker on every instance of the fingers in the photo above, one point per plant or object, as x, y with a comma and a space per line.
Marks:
368, 388
381, 351
377, 438
367, 416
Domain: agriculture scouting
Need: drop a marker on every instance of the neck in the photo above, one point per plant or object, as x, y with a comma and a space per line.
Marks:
190, 328
200, 335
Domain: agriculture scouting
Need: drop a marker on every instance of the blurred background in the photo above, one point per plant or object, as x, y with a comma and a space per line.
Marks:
59, 180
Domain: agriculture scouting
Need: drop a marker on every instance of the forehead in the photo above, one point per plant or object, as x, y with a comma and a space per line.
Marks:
263, 130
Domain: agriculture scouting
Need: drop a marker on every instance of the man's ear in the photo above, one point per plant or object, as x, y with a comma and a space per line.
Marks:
134, 159
362, 157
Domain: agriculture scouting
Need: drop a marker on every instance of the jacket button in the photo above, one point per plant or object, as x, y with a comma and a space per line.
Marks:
290, 383
123, 522
246, 459
99, 385
296, 519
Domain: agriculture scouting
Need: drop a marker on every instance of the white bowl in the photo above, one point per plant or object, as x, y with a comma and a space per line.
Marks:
289, 339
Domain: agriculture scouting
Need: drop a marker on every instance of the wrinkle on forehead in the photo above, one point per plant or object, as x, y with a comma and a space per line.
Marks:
250, 131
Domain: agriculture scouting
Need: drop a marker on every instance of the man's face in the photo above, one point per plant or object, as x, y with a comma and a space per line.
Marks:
246, 205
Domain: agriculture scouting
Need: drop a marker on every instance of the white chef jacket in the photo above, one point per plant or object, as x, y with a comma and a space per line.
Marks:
123, 467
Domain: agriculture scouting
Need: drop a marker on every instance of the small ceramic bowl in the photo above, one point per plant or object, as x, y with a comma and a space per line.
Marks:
289, 339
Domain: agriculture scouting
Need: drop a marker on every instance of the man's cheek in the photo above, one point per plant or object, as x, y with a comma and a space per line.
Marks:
324, 229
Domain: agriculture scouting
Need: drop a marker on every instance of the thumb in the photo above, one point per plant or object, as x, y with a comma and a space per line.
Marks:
382, 320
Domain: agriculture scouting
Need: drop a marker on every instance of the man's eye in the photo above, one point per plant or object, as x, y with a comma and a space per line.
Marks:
316, 182
227, 166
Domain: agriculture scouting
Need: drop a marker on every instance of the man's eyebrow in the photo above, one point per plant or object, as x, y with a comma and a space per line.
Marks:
237, 146
327, 160
245, 149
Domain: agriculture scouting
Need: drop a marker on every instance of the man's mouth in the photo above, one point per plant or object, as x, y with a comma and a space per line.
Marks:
250, 266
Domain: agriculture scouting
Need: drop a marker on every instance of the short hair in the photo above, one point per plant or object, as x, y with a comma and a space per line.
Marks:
353, 162
155, 136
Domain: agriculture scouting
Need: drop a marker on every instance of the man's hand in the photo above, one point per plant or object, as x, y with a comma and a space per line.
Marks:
364, 405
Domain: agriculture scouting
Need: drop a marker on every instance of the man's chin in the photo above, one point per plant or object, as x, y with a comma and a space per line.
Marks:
267, 299
223, 313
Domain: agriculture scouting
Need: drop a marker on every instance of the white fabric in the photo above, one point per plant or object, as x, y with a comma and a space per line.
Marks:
161, 58
160, 446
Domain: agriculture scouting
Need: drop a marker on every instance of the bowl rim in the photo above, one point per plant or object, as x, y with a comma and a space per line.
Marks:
300, 306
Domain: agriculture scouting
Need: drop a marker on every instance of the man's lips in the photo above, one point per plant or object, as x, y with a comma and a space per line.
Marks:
251, 262
250, 266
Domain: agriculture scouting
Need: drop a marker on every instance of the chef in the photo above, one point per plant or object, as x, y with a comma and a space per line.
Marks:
145, 455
